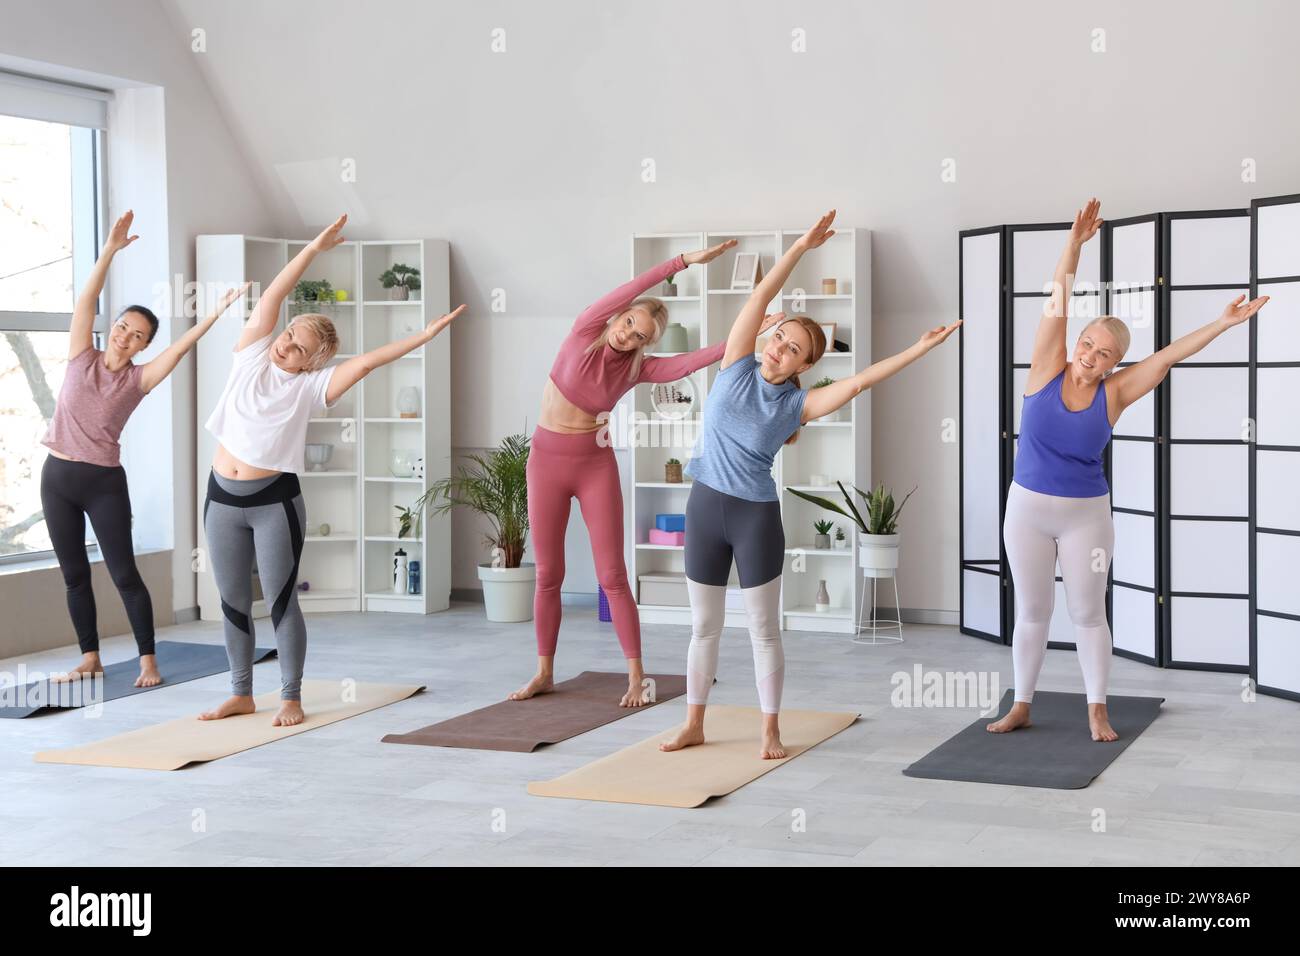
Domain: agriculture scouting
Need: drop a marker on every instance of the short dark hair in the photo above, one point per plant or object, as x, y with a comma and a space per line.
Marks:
148, 316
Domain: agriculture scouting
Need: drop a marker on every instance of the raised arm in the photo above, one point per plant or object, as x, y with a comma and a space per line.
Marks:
744, 331
348, 373
1050, 351
83, 313
163, 364
824, 400
671, 368
1134, 381
267, 311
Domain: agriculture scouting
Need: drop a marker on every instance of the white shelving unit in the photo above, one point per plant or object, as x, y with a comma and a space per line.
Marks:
841, 449
350, 568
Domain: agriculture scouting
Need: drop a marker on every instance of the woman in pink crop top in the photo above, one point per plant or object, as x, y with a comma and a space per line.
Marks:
600, 359
82, 475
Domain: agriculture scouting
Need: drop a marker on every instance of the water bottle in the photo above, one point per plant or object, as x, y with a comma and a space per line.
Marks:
413, 577
399, 572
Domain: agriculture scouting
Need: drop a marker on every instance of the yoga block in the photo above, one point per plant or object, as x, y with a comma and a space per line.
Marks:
664, 589
670, 522
667, 537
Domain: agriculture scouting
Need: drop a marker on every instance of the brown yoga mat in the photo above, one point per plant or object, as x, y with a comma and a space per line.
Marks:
726, 761
188, 740
576, 706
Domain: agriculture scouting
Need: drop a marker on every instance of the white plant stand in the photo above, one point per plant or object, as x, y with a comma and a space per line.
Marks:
877, 630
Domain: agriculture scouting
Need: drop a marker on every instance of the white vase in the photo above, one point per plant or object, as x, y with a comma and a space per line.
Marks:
408, 402
878, 554
508, 592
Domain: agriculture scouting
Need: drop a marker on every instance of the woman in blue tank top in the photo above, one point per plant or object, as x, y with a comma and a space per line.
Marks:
1058, 506
733, 512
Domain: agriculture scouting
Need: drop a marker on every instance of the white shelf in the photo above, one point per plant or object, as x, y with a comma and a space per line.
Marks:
820, 552
327, 474
810, 610
331, 537
660, 547
373, 302
399, 421
394, 538
393, 596
818, 424
325, 594
664, 484
408, 481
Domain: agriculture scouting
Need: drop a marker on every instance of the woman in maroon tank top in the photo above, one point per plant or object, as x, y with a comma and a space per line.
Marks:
83, 476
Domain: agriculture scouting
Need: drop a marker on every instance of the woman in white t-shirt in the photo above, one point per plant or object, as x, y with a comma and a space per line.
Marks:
254, 504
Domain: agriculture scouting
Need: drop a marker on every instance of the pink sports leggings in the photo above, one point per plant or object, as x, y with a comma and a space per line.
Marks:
562, 467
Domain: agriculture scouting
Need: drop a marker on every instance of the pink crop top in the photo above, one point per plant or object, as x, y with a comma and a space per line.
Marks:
93, 406
595, 381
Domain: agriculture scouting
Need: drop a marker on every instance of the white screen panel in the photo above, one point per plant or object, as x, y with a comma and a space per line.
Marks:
1277, 646
1133, 254
981, 438
1133, 475
1277, 498
1138, 311
981, 595
1209, 556
1035, 254
1133, 627
1209, 402
1190, 309
1209, 480
1139, 418
1278, 323
1279, 240
1018, 378
1210, 630
1277, 399
1134, 561
1277, 556
1214, 250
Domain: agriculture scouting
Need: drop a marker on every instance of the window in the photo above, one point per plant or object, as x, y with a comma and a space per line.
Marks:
51, 165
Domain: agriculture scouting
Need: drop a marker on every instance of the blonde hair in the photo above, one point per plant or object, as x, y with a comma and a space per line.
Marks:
1117, 329
658, 315
327, 336
819, 344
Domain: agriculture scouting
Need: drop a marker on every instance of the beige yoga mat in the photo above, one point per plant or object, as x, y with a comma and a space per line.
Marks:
188, 740
726, 761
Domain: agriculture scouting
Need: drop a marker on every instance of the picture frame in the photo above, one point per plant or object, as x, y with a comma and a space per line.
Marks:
828, 329
745, 272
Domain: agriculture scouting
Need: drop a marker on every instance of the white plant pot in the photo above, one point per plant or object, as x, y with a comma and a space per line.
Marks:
508, 592
878, 554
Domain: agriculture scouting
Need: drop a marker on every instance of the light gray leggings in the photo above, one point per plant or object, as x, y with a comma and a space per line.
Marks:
263, 518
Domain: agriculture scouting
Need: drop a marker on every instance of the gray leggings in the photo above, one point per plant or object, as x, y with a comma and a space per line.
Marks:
263, 518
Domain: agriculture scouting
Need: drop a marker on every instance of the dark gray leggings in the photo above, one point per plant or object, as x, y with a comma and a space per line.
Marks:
721, 526
263, 518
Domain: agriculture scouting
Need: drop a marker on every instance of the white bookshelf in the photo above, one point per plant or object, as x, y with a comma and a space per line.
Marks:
707, 308
349, 569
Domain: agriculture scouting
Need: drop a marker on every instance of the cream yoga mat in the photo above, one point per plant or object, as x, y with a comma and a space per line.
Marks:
726, 761
188, 740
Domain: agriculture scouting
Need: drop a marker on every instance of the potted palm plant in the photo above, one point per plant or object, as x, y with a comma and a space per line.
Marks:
496, 486
877, 532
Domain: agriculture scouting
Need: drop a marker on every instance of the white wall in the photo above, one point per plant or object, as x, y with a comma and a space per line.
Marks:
529, 161
173, 158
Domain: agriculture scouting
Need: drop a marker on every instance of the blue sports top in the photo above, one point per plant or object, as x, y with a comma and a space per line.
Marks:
1060, 450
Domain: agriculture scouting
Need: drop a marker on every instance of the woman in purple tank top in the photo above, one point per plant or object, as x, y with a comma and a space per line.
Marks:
82, 475
1058, 506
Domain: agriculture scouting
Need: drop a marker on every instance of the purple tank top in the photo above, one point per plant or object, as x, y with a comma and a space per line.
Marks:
93, 406
1060, 450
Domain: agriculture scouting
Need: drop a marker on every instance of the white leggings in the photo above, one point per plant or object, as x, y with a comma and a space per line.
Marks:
708, 610
1079, 533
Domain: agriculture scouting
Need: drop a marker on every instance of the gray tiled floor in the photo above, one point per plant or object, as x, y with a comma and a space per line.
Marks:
1213, 781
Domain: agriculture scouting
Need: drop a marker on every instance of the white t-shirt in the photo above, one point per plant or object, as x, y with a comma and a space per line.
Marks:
261, 417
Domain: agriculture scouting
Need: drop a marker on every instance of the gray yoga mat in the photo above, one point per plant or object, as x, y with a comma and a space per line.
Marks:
1054, 751
178, 662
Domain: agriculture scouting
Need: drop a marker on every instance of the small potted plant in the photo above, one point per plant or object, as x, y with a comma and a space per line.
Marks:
496, 486
408, 520
673, 471
822, 539
400, 281
822, 383
841, 542
669, 288
313, 293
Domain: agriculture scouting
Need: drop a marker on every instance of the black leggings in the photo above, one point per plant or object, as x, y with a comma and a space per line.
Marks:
71, 490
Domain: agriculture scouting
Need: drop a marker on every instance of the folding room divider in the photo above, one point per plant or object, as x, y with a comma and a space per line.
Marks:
1204, 470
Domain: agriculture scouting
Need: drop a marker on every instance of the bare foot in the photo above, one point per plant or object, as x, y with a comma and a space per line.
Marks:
90, 666
635, 696
1099, 723
149, 676
232, 706
1016, 718
771, 747
540, 684
290, 714
691, 735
